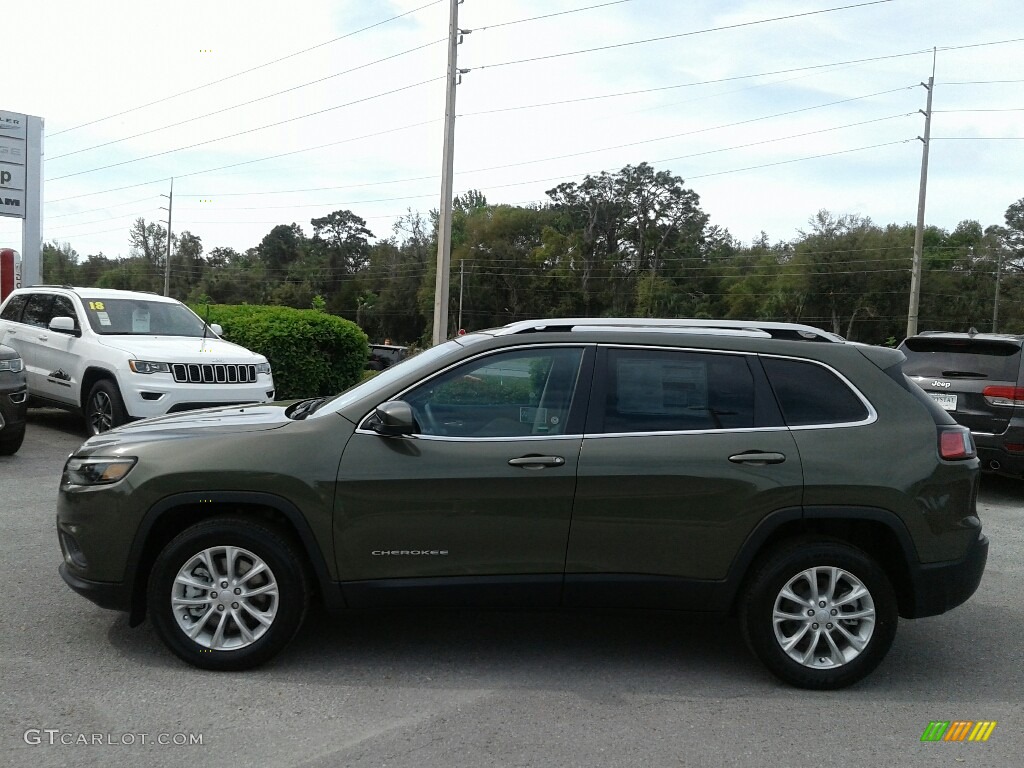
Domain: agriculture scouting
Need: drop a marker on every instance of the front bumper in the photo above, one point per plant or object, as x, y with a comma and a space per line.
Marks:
112, 595
940, 587
151, 395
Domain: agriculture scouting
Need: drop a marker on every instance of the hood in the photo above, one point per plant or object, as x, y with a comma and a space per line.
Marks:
180, 349
202, 423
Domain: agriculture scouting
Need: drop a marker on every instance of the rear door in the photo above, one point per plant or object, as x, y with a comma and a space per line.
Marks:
684, 454
955, 372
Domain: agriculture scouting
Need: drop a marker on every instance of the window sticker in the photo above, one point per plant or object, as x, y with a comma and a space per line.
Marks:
660, 387
104, 318
140, 320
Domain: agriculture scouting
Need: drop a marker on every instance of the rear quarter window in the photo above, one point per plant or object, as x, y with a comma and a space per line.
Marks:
811, 394
958, 358
13, 309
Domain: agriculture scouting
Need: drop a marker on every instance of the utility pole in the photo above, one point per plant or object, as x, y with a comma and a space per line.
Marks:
915, 275
444, 225
167, 260
995, 307
462, 280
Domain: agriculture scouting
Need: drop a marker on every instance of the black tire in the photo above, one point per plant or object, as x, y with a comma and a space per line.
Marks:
11, 439
104, 409
793, 565
284, 611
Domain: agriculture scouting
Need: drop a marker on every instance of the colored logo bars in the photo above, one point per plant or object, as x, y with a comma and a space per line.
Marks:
958, 730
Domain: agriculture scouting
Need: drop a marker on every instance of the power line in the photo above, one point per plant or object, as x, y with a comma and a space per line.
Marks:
549, 15
103, 208
250, 130
681, 34
246, 162
247, 71
251, 101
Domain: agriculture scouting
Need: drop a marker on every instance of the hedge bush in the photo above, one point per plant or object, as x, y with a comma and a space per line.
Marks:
311, 353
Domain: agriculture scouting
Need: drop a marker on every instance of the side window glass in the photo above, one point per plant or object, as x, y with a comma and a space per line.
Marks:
13, 309
811, 394
62, 307
510, 394
668, 391
37, 310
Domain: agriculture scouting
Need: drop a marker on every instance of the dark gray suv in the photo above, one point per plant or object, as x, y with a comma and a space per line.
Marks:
770, 470
978, 379
13, 397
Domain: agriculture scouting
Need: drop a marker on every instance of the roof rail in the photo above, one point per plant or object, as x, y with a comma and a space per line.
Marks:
42, 285
793, 331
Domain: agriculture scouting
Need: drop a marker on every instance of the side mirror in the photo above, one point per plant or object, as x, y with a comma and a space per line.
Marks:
215, 327
393, 418
64, 325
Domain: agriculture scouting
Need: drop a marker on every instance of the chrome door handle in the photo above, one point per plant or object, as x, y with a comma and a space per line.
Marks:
757, 457
536, 462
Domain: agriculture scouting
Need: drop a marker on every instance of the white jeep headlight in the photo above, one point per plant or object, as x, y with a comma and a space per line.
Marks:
13, 364
146, 366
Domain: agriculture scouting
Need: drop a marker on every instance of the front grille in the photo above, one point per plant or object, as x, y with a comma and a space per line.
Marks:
213, 373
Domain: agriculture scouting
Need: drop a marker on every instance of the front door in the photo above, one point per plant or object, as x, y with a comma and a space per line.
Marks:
484, 488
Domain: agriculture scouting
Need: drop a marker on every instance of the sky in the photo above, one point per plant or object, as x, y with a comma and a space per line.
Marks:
269, 113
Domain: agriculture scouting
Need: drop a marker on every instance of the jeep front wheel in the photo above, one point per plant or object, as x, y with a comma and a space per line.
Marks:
819, 615
104, 409
227, 594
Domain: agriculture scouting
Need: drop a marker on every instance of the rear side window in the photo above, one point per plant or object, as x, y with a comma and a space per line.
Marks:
13, 309
811, 394
962, 358
669, 391
37, 311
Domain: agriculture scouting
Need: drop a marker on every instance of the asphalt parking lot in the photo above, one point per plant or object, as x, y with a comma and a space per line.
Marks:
481, 688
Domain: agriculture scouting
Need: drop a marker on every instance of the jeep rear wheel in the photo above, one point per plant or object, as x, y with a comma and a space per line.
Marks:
104, 409
227, 594
819, 615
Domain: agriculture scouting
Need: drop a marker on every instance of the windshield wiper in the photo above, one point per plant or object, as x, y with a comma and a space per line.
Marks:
306, 407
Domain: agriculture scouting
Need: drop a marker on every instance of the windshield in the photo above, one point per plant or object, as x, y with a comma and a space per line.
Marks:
422, 361
141, 317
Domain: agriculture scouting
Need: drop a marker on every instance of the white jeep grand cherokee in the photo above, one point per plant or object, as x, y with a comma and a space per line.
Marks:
123, 355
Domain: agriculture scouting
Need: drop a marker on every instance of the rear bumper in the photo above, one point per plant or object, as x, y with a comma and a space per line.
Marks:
939, 587
994, 456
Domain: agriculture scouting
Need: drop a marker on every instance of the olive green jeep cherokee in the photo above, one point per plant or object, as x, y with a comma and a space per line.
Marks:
769, 469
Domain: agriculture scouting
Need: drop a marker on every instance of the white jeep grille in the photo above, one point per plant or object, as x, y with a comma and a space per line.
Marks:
213, 373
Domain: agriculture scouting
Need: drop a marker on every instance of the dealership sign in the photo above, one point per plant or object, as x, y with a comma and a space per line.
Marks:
13, 155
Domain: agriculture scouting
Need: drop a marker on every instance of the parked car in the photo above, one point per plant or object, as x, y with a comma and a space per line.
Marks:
768, 469
12, 401
115, 356
385, 355
978, 379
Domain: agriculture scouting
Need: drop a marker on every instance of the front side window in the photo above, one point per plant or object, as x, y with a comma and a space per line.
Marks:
521, 393
650, 390
62, 307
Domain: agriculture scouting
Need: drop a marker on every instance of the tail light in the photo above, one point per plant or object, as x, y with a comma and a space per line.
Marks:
1009, 396
956, 443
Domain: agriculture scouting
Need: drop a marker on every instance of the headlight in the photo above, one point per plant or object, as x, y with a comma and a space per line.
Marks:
96, 470
145, 366
263, 368
13, 364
